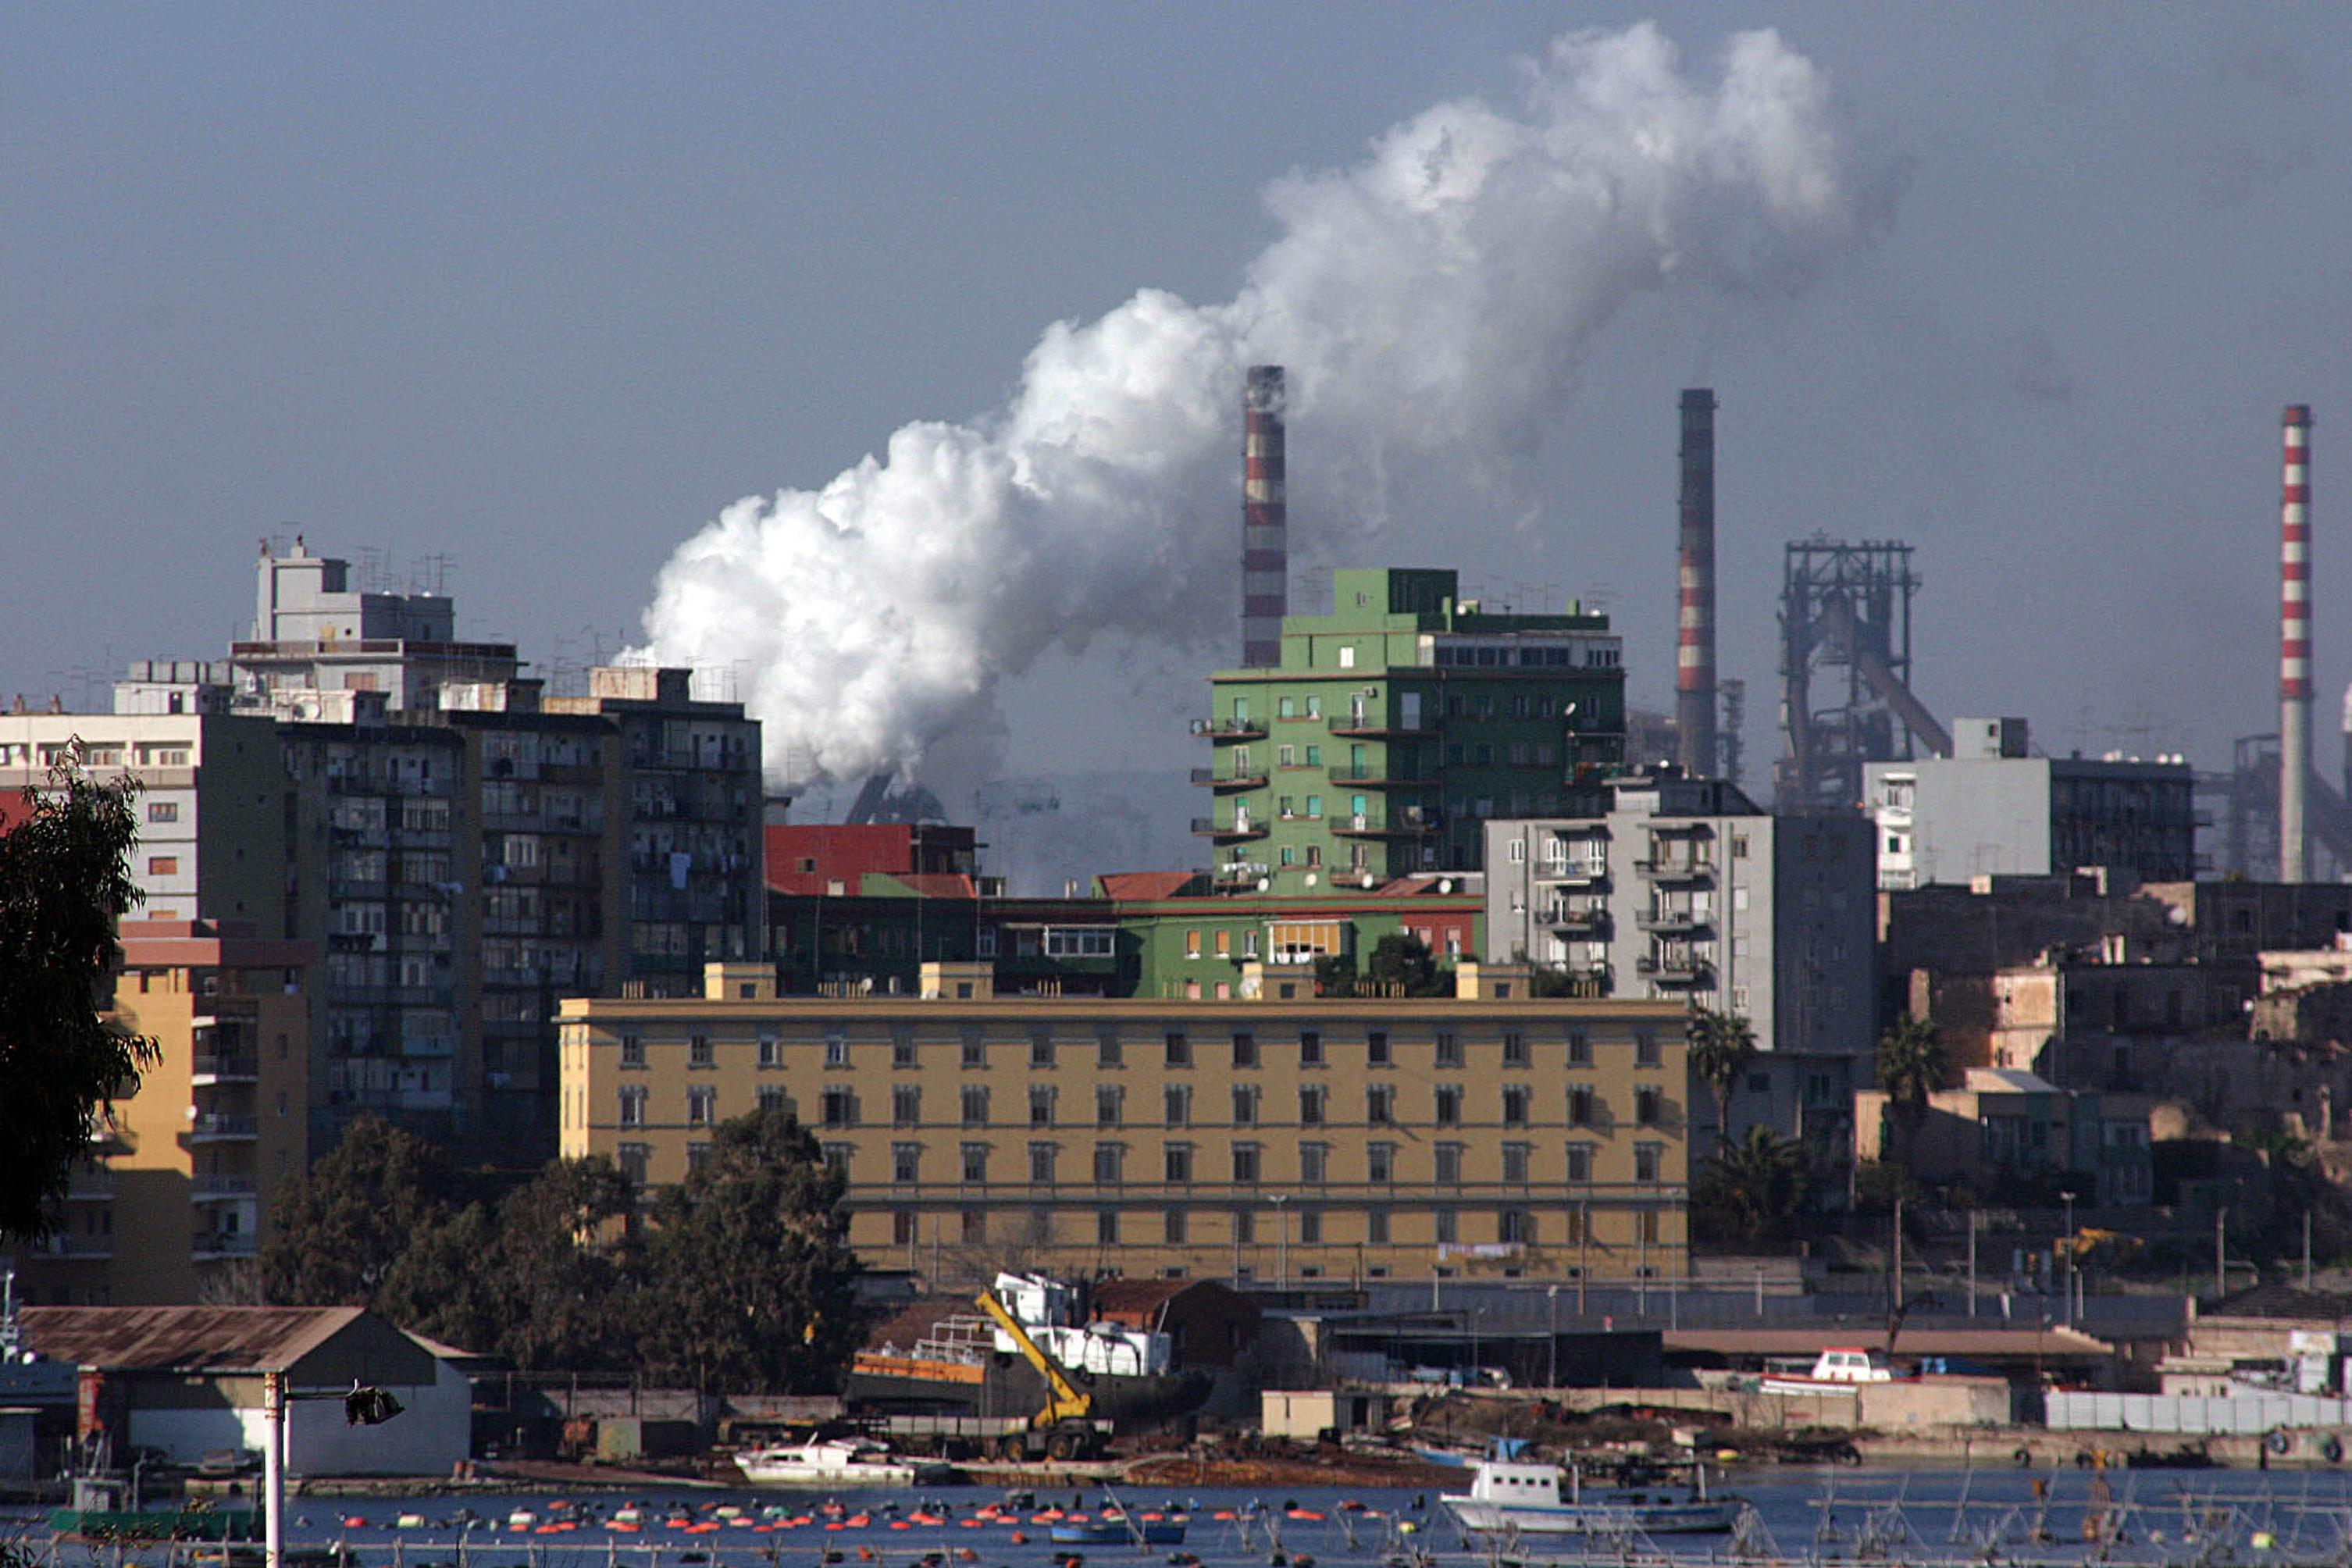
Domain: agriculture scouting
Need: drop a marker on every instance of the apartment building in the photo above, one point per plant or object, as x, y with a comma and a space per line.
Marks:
1395, 726
170, 1204
1270, 1135
314, 632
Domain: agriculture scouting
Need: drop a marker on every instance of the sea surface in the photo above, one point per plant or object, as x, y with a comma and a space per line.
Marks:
1842, 1516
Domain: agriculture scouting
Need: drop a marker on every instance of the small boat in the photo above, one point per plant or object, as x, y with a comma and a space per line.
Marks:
830, 1462
1119, 1533
1840, 1369
1508, 1491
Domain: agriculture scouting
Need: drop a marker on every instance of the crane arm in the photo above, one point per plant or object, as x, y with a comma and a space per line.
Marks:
1063, 1401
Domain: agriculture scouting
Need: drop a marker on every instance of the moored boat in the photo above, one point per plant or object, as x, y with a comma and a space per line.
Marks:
1119, 1533
1511, 1492
844, 1462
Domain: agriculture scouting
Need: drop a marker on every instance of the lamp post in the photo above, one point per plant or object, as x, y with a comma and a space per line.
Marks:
1551, 1341
2069, 1299
1281, 1240
361, 1407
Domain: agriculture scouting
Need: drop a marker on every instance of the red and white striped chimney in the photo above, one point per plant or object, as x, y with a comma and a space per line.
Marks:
1695, 695
1266, 536
2295, 642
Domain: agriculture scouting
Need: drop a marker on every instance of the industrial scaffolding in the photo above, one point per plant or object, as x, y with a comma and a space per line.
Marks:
1845, 671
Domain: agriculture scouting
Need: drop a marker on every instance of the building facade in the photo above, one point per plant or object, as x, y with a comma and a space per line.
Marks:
1394, 726
1992, 809
1273, 1135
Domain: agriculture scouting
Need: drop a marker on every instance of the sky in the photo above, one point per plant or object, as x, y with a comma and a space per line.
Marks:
543, 292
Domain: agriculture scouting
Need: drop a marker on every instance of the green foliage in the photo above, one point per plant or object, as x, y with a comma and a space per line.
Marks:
753, 1281
1877, 1183
341, 1230
1750, 1192
1912, 1065
64, 882
1401, 963
1721, 1047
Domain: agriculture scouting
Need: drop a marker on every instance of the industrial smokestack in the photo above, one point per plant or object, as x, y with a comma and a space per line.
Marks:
2295, 643
1265, 534
1695, 694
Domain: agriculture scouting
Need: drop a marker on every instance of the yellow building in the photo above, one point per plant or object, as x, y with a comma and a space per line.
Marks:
1278, 1136
171, 1207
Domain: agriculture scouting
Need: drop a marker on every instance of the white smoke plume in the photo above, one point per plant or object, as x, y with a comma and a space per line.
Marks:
1432, 303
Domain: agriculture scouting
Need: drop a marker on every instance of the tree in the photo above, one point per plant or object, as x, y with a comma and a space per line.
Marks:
65, 879
570, 1268
1721, 1047
752, 1284
1912, 1065
1751, 1191
340, 1229
1401, 962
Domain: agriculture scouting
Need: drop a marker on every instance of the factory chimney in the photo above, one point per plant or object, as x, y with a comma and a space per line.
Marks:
1266, 540
2295, 643
1695, 694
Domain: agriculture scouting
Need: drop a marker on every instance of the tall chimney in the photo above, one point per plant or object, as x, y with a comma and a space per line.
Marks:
2295, 643
1266, 543
1694, 693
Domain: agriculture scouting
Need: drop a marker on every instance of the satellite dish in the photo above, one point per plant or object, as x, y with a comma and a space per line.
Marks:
1311, 878
1263, 884
1446, 884
1367, 879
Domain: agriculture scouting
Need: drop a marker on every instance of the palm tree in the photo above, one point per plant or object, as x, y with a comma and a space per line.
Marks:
1721, 1047
1751, 1190
1912, 1065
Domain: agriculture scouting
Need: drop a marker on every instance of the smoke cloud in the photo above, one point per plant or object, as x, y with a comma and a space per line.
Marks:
1432, 304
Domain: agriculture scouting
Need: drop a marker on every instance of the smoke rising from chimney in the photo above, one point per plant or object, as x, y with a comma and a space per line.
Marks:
1431, 305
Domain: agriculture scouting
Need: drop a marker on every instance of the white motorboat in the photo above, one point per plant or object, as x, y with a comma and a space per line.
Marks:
1840, 1369
844, 1462
1511, 1493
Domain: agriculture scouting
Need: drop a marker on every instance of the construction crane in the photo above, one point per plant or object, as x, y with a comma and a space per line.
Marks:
1064, 1417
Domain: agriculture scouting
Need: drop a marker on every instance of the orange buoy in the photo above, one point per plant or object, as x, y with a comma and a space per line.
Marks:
1020, 1537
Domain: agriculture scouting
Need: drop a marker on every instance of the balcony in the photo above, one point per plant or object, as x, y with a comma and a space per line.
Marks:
1234, 832
1254, 779
1676, 868
90, 1186
224, 1066
65, 1244
1675, 969
212, 1187
1573, 873
1585, 922
214, 1246
1671, 922
1370, 725
1230, 728
1412, 822
213, 1128
1366, 778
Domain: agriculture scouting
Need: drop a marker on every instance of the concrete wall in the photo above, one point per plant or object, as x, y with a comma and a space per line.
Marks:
1945, 1402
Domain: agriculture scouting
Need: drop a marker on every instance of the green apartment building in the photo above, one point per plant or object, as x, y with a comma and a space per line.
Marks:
1395, 726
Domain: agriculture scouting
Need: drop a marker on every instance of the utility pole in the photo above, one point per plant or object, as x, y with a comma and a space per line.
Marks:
1972, 1261
2307, 1252
2221, 1251
2069, 1297
1551, 1376
1894, 1290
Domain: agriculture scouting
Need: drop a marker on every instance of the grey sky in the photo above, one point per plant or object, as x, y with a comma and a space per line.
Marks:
545, 289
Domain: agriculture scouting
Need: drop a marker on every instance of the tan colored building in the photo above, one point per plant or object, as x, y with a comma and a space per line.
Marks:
1277, 1136
171, 1206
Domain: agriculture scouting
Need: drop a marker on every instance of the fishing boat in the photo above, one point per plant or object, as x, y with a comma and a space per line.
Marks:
1840, 1369
841, 1462
1119, 1533
1511, 1492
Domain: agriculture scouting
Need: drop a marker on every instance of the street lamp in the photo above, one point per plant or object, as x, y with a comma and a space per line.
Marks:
362, 1407
1551, 1377
1281, 1240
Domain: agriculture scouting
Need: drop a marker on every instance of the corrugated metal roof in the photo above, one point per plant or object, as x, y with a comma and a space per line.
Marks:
2057, 1342
183, 1338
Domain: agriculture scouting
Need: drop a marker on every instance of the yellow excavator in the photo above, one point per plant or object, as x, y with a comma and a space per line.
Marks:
1064, 1420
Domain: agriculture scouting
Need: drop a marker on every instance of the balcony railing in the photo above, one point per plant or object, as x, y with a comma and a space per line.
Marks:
1671, 922
213, 1245
1676, 868
1253, 779
205, 1186
1209, 827
1369, 723
1576, 920
1230, 728
213, 1127
224, 1067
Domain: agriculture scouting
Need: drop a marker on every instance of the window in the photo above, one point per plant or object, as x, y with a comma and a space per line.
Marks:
902, 1228
974, 1226
1375, 1226
1245, 1164
1448, 1106
1171, 1226
1310, 1105
1245, 1105
905, 1163
1244, 1049
975, 1047
1448, 1231
1645, 1048
975, 1164
1041, 1047
906, 1105
902, 1045
1449, 1163
1310, 1048
1449, 1048
1107, 1047
1579, 1107
1515, 1163
1176, 1101
1041, 1105
701, 1106
162, 865
1647, 1159
633, 1106
1180, 1049
838, 1108
1646, 1230
1176, 1163
632, 1050
162, 811
1378, 1103
1191, 945
1648, 1104
698, 1051
1580, 1049
1110, 1163
1041, 1163
1107, 1227
836, 1049
975, 1104
771, 1097
1376, 1048
772, 1051
1379, 1162
1515, 1049
1314, 1162
1580, 1163
1515, 1226
1245, 1229
1110, 1104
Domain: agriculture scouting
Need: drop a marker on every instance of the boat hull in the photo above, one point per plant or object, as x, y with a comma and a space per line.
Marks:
1111, 1533
1694, 1517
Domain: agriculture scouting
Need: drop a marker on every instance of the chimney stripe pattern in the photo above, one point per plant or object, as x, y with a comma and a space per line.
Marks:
1265, 538
1695, 695
2294, 639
